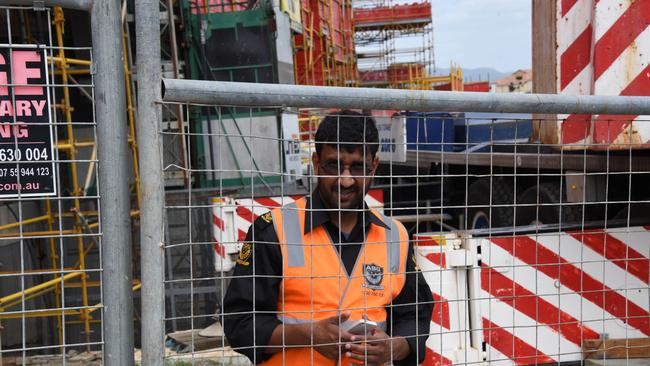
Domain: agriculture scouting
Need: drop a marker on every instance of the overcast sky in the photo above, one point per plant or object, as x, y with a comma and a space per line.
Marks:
482, 33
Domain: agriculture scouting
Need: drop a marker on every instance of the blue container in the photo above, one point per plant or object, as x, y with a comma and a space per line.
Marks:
491, 128
428, 131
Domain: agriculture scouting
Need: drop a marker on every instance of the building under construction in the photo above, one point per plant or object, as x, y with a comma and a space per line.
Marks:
394, 44
333, 43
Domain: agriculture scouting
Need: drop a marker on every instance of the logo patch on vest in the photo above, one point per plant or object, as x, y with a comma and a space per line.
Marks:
373, 274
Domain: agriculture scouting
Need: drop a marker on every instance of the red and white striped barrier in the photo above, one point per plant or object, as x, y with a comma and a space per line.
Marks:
541, 296
448, 342
232, 218
534, 299
603, 48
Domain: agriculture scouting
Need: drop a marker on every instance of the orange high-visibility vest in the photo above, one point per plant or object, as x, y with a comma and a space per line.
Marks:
316, 285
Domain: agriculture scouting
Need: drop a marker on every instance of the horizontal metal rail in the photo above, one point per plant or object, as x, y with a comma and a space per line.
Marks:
70, 4
575, 162
421, 217
258, 94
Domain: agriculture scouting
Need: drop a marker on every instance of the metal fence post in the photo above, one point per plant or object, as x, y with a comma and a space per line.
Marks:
113, 154
147, 29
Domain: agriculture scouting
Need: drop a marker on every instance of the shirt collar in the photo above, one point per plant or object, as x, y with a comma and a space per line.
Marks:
316, 213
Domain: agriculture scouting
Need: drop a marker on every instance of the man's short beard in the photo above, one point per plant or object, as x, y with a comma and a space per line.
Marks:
356, 203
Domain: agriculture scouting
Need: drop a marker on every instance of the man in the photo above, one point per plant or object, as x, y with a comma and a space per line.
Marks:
306, 270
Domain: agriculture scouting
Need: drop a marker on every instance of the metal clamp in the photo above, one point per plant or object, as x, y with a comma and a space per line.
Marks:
39, 5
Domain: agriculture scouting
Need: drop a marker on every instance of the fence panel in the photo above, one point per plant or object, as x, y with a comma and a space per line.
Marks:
529, 253
50, 230
63, 281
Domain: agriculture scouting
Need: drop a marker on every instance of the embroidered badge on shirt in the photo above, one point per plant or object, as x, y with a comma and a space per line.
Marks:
244, 254
267, 217
373, 274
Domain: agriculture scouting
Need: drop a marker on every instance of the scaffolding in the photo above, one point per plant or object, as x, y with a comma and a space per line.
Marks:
394, 46
324, 51
65, 227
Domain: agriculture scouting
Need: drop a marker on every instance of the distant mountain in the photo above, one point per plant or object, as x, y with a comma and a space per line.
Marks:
477, 74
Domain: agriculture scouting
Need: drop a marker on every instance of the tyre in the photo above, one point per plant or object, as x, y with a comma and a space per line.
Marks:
544, 204
485, 198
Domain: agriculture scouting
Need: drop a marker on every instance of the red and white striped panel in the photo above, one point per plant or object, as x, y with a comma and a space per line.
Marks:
541, 296
603, 48
444, 339
233, 217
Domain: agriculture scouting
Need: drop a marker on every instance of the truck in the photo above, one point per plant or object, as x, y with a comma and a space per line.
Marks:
547, 262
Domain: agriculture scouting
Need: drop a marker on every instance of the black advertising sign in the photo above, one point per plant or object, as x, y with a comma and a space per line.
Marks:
26, 148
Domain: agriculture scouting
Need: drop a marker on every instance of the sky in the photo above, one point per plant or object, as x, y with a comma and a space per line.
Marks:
482, 33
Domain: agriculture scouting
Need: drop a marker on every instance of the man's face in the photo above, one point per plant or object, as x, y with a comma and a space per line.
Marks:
341, 181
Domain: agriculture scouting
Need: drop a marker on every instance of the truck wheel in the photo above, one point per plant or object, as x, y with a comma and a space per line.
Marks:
541, 205
481, 213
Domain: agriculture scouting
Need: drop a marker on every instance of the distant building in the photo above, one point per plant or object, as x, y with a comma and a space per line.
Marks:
520, 81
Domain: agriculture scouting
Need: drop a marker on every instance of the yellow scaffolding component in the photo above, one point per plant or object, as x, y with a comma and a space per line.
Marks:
59, 21
64, 62
414, 76
40, 314
4, 301
17, 298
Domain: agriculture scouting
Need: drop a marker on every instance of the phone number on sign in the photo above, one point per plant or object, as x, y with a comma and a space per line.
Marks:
25, 172
28, 154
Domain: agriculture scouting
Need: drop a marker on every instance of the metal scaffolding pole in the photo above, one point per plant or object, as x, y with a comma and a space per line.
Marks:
147, 30
258, 94
114, 157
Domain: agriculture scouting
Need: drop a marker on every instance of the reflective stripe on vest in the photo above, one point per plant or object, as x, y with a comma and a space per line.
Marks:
292, 235
392, 245
289, 320
293, 238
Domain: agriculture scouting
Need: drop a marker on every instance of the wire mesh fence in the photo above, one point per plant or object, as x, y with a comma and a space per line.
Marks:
50, 234
511, 250
319, 236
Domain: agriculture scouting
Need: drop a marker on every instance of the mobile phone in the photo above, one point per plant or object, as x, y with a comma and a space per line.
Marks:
359, 327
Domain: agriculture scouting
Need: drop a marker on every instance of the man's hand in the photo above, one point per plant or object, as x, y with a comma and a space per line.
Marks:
324, 335
327, 336
376, 348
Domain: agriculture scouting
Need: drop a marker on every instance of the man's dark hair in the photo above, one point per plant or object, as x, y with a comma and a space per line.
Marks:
348, 130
